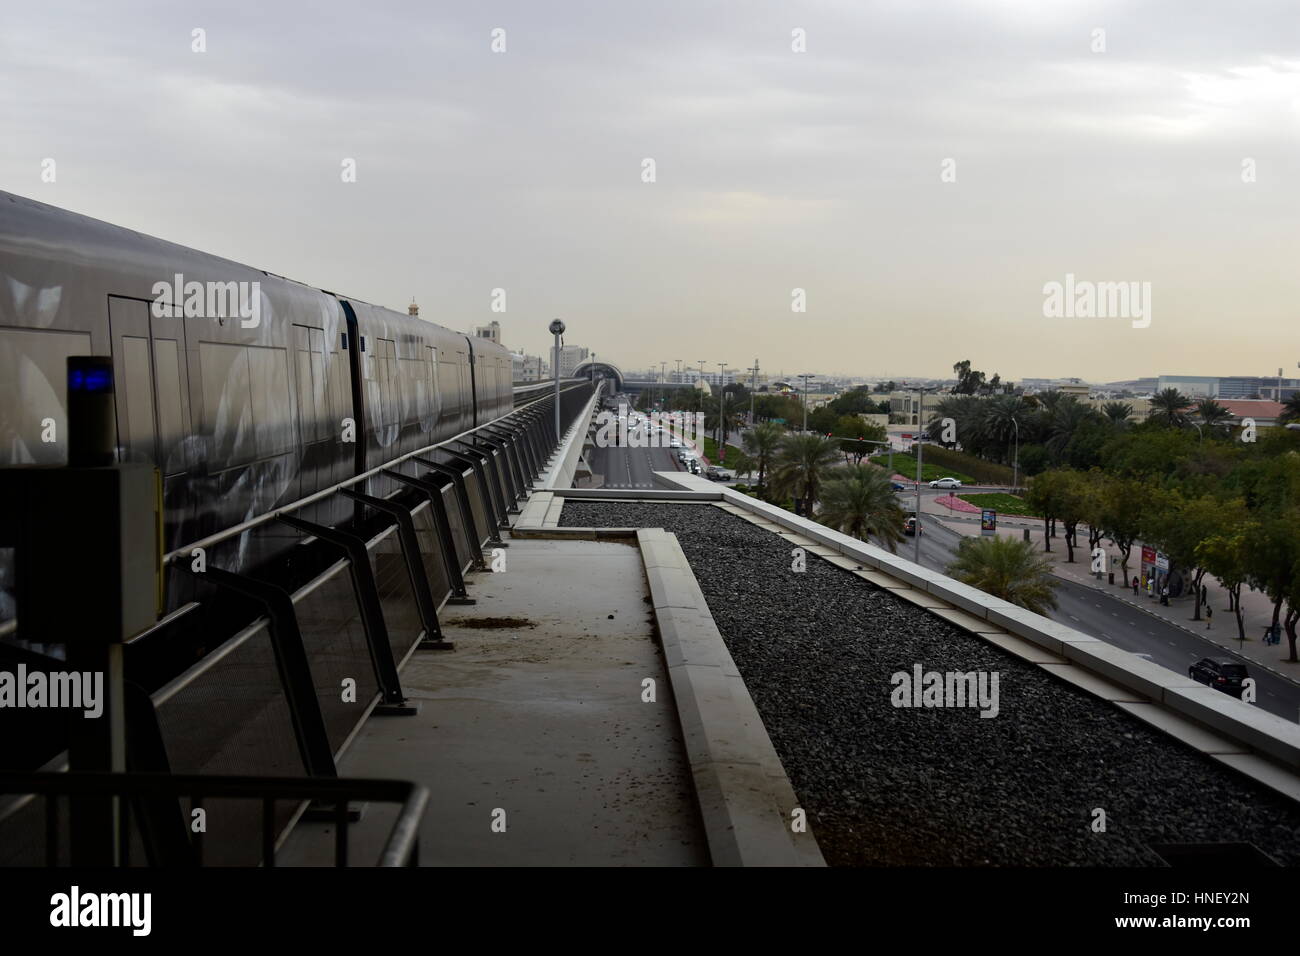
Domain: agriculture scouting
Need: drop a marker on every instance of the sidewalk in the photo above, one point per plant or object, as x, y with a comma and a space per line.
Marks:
1257, 610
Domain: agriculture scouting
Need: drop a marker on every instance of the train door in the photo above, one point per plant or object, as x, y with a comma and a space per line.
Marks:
152, 397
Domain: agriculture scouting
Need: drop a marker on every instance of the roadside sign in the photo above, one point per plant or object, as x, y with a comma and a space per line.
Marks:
988, 523
1162, 561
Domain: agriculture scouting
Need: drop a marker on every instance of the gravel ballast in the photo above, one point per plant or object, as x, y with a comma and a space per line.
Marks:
941, 786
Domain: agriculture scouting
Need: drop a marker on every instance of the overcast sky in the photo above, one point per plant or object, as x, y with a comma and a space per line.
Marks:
775, 169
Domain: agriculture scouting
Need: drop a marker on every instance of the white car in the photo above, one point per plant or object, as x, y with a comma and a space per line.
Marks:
945, 483
674, 442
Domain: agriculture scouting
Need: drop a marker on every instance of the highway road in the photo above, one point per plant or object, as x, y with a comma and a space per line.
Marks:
625, 467
1099, 614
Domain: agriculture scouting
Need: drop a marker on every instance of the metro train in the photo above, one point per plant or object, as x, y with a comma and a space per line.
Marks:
240, 409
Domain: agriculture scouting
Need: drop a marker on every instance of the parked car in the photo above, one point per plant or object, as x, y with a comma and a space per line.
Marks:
1224, 675
945, 483
714, 473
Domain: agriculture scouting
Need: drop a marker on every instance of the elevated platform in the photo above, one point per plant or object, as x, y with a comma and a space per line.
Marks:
537, 712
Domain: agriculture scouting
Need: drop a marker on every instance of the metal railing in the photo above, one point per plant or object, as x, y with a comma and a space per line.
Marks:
402, 847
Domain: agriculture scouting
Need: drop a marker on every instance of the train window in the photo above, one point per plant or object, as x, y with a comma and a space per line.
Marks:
415, 380
316, 340
171, 427
268, 378
33, 387
390, 383
136, 433
227, 411
435, 397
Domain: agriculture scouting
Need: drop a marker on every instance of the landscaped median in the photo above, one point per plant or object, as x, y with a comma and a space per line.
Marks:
906, 465
1001, 502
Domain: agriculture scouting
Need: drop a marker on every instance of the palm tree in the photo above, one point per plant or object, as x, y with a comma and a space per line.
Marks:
1211, 413
859, 500
1005, 417
760, 444
1169, 407
1006, 568
1117, 412
1291, 408
800, 467
1064, 418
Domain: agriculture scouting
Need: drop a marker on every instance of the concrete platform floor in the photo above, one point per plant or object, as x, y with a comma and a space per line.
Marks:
543, 720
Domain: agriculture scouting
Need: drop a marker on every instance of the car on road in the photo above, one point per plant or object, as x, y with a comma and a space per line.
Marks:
693, 465
1224, 675
945, 483
714, 473
910, 527
898, 486
674, 442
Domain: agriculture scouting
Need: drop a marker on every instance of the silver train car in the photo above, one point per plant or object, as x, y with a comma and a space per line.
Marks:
238, 384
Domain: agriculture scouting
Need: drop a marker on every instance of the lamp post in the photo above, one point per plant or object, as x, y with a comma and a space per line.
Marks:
593, 368
753, 387
920, 438
805, 378
1015, 480
557, 329
722, 411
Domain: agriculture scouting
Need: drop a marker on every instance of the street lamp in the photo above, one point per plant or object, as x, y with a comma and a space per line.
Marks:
1015, 481
557, 329
920, 438
805, 378
753, 387
722, 411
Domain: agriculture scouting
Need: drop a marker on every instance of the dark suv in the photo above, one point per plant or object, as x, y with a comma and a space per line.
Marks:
1221, 675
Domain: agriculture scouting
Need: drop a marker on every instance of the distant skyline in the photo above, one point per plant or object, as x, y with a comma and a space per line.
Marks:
922, 171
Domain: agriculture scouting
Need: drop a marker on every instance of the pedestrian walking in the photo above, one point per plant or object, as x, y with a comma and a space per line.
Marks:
1135, 585
1209, 617
1164, 595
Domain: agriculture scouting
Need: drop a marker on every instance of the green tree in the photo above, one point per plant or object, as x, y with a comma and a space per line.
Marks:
760, 445
859, 500
1008, 569
1272, 553
1116, 506
1177, 524
1044, 496
800, 466
1291, 408
851, 430
968, 380
1117, 413
1224, 556
1212, 414
1169, 408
